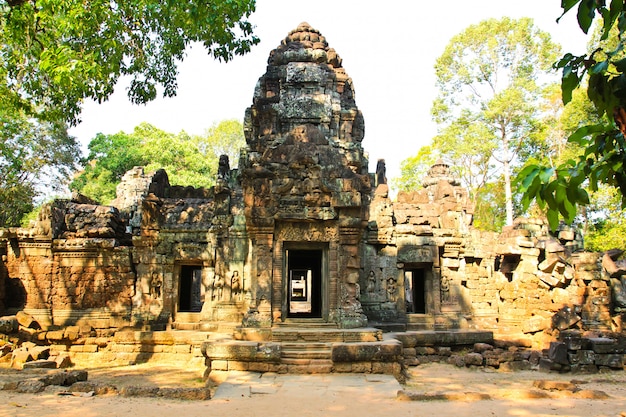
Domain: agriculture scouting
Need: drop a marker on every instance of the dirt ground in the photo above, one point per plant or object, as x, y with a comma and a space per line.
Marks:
442, 390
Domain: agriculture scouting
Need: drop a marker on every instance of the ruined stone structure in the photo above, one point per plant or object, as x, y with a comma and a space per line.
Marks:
300, 244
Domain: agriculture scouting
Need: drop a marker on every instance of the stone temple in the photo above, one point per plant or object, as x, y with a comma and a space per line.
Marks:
297, 260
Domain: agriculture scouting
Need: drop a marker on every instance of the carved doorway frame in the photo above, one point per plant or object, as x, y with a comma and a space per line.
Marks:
314, 249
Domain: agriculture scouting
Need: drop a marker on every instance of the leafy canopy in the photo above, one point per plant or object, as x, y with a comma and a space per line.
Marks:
561, 188
56, 53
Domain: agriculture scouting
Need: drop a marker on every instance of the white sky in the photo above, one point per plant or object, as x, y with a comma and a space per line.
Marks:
388, 49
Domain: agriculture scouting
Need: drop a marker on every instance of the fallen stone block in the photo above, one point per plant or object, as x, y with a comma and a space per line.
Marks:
19, 357
558, 353
565, 318
404, 395
136, 391
555, 385
8, 324
591, 394
30, 386
608, 262
582, 357
475, 359
40, 364
482, 347
515, 366
26, 320
611, 360
192, 394
63, 360
40, 352
96, 388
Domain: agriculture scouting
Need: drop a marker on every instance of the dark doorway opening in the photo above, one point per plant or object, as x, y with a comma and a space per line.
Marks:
190, 294
416, 291
304, 288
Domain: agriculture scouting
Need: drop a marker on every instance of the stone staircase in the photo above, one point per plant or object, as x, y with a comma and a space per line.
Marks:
307, 357
416, 322
306, 345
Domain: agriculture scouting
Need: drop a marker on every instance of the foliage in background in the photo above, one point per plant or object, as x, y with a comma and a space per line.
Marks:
188, 160
489, 79
606, 221
33, 156
489, 111
414, 168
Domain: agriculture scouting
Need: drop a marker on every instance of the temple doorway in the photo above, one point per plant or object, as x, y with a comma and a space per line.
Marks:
190, 290
304, 283
415, 290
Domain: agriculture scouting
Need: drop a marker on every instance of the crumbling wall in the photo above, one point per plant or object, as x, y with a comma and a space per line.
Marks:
523, 283
533, 285
69, 265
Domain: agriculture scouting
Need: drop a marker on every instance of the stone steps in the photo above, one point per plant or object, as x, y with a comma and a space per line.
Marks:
306, 324
325, 335
306, 351
420, 322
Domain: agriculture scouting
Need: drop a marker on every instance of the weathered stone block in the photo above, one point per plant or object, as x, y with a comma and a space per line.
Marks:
565, 318
242, 351
558, 353
356, 352
40, 364
26, 320
8, 324
30, 386
475, 359
535, 324
514, 366
582, 357
607, 345
611, 360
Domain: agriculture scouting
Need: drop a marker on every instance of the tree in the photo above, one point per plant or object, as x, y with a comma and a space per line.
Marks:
188, 160
561, 188
414, 168
489, 80
223, 138
57, 53
33, 156
607, 221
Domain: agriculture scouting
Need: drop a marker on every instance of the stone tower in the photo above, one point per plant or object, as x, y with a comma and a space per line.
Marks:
305, 186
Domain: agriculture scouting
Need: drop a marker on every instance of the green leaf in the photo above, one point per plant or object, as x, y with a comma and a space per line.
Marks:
620, 65
546, 174
566, 5
569, 82
586, 13
599, 67
553, 219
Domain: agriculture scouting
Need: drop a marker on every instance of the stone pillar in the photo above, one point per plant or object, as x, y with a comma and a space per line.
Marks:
260, 312
349, 267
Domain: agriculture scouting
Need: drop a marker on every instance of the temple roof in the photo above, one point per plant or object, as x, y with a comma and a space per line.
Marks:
305, 44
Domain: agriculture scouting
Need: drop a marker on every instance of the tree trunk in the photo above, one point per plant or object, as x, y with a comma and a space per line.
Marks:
508, 196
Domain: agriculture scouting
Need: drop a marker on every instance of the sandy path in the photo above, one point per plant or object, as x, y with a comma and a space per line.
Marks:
343, 395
